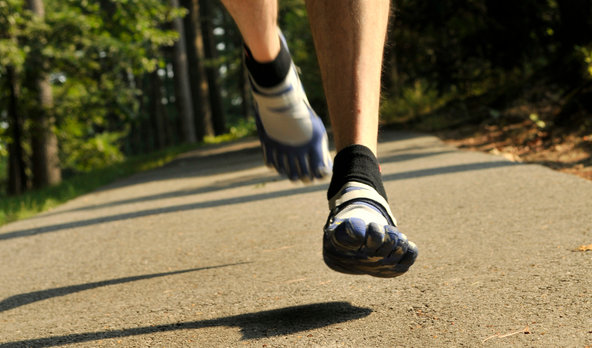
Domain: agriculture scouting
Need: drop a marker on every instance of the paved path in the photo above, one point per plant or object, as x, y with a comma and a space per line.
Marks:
214, 250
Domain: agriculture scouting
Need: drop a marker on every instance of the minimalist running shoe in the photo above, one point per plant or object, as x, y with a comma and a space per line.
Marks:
361, 236
293, 137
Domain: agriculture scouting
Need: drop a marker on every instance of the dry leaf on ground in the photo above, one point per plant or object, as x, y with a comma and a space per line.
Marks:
585, 248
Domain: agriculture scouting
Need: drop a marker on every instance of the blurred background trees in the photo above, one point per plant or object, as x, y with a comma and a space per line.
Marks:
481, 57
84, 84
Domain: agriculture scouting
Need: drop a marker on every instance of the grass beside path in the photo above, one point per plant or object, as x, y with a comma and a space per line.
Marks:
34, 202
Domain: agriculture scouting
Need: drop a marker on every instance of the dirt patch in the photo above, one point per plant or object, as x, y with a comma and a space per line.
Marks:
529, 142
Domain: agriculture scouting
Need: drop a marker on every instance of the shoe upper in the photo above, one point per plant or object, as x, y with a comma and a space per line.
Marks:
361, 194
284, 111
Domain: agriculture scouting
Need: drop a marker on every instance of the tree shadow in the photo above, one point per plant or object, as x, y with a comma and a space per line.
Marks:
466, 167
270, 323
249, 198
412, 156
155, 211
36, 296
248, 180
243, 181
210, 160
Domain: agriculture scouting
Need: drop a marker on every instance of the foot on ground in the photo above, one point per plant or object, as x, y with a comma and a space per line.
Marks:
361, 236
293, 137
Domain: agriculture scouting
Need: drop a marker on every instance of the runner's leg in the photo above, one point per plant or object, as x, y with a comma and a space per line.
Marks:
293, 137
360, 235
257, 22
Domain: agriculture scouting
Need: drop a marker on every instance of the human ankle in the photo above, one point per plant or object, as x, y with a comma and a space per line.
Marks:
356, 163
272, 73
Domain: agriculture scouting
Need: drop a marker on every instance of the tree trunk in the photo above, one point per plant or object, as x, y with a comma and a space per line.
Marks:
243, 87
156, 110
182, 86
168, 91
218, 117
44, 144
195, 55
245, 90
145, 109
17, 178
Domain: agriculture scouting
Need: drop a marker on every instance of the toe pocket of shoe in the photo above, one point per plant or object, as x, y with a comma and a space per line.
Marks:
304, 169
318, 166
409, 258
389, 245
399, 244
374, 236
268, 156
278, 161
350, 234
291, 167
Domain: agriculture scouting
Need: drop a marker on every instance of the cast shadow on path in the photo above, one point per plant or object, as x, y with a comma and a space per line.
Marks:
249, 198
198, 163
195, 162
35, 296
248, 180
276, 322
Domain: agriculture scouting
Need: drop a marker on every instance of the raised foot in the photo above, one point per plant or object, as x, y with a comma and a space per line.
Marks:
361, 236
298, 162
356, 248
293, 137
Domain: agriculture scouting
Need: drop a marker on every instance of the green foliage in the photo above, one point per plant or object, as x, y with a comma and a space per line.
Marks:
13, 23
458, 44
586, 56
537, 121
453, 50
100, 151
240, 129
95, 53
101, 50
412, 101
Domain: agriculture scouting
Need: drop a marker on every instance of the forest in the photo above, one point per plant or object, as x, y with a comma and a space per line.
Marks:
88, 84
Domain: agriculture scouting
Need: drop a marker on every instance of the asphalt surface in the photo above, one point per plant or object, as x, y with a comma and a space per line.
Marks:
214, 250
